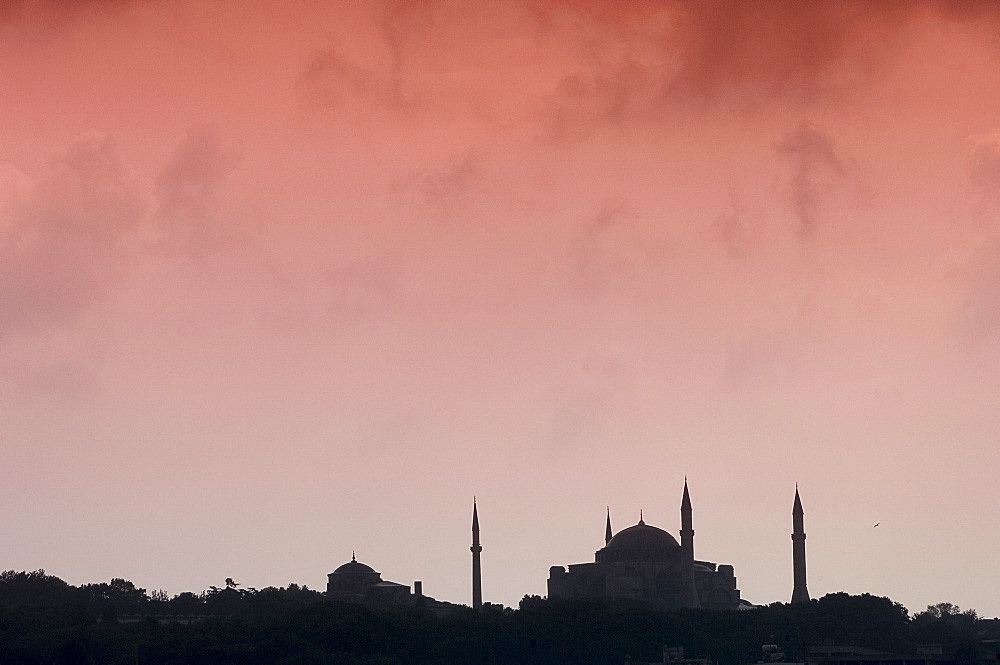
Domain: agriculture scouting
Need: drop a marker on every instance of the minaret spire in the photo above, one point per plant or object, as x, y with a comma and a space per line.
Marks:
607, 529
477, 573
799, 592
689, 592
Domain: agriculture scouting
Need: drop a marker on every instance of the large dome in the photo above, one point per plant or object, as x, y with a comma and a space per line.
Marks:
641, 542
351, 580
353, 567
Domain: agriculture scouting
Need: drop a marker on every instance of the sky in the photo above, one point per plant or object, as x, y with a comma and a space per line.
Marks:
283, 281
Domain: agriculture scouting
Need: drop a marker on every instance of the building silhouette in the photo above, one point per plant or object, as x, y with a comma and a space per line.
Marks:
641, 563
355, 581
645, 563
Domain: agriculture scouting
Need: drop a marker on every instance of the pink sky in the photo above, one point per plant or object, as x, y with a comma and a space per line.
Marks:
281, 283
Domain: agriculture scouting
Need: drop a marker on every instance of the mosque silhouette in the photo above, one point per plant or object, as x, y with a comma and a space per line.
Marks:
641, 563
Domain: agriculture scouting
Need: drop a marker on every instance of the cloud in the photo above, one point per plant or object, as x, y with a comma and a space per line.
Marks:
758, 356
600, 252
563, 69
398, 21
445, 185
188, 189
817, 169
777, 47
610, 95
981, 304
333, 80
983, 164
609, 215
646, 60
10, 10
642, 61
339, 80
64, 379
359, 291
455, 179
729, 228
795, 50
64, 236
14, 184
57, 13
71, 231
982, 298
581, 401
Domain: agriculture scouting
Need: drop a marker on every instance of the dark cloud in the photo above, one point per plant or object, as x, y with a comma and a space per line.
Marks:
817, 168
777, 47
10, 10
444, 191
452, 181
64, 240
609, 215
333, 80
59, 13
608, 95
195, 220
802, 50
646, 59
653, 58
398, 21
599, 254
336, 79
73, 229
730, 230
620, 63
188, 189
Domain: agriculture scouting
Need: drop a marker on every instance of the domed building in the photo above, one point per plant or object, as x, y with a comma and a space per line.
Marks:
647, 564
355, 581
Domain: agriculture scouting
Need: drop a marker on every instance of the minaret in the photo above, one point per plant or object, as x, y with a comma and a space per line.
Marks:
477, 572
689, 593
607, 529
799, 592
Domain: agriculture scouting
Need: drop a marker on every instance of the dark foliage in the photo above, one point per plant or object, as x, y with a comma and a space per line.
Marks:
45, 620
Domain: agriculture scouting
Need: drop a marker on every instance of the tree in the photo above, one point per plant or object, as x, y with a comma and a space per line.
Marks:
946, 611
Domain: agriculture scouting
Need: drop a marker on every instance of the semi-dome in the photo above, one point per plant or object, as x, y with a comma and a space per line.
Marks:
641, 542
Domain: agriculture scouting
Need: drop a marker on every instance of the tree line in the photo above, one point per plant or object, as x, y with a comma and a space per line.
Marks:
45, 620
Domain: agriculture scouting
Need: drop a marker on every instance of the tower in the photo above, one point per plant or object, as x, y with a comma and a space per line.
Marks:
477, 572
607, 530
799, 592
689, 593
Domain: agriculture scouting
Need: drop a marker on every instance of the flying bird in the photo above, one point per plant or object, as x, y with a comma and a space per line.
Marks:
876, 524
